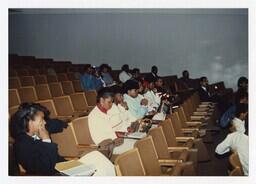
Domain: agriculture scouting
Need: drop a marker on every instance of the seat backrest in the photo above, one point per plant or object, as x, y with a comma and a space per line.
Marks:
236, 164
176, 124
14, 83
79, 101
33, 72
148, 156
12, 73
22, 72
27, 81
183, 114
14, 98
52, 78
168, 132
66, 142
63, 105
62, 77
40, 79
77, 86
159, 142
27, 94
43, 92
130, 164
81, 130
67, 87
71, 76
13, 109
50, 106
91, 97
56, 89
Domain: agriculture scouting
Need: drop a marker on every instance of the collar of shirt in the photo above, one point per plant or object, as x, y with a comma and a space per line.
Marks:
238, 120
204, 88
102, 109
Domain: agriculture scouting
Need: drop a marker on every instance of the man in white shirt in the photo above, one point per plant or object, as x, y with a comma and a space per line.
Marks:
125, 75
237, 141
239, 121
99, 126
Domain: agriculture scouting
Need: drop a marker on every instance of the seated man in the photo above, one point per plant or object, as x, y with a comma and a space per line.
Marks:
186, 82
90, 80
33, 148
120, 117
99, 126
237, 141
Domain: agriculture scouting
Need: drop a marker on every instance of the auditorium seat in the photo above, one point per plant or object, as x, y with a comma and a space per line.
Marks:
150, 161
52, 78
77, 86
64, 107
71, 76
79, 102
40, 79
62, 77
82, 132
14, 98
14, 83
27, 94
22, 72
237, 169
43, 92
67, 87
91, 97
12, 73
27, 81
129, 164
33, 72
13, 109
67, 146
56, 89
164, 152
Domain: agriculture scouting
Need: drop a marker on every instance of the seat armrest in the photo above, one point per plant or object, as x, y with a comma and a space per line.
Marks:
184, 139
169, 162
93, 146
181, 148
200, 113
193, 123
189, 130
197, 117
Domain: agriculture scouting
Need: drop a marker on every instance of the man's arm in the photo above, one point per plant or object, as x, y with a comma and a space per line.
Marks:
225, 145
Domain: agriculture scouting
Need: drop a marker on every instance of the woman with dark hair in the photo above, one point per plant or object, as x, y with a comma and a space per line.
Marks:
105, 75
125, 73
31, 127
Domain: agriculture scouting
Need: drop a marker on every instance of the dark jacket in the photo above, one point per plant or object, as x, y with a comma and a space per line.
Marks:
204, 96
38, 157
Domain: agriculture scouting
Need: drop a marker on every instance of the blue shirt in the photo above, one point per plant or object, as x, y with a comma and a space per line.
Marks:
135, 108
90, 82
107, 78
227, 116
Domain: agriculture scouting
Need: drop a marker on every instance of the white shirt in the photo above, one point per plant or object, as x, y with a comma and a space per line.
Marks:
238, 142
154, 100
239, 125
100, 129
204, 88
124, 76
120, 119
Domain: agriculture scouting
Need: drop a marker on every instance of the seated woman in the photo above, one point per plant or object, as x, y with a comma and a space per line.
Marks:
105, 75
33, 148
99, 126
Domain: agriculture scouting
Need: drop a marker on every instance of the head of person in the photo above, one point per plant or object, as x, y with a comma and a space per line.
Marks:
242, 82
28, 119
159, 82
104, 68
241, 111
141, 86
136, 73
88, 69
204, 81
105, 98
154, 69
150, 82
118, 94
131, 88
125, 68
185, 74
241, 96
